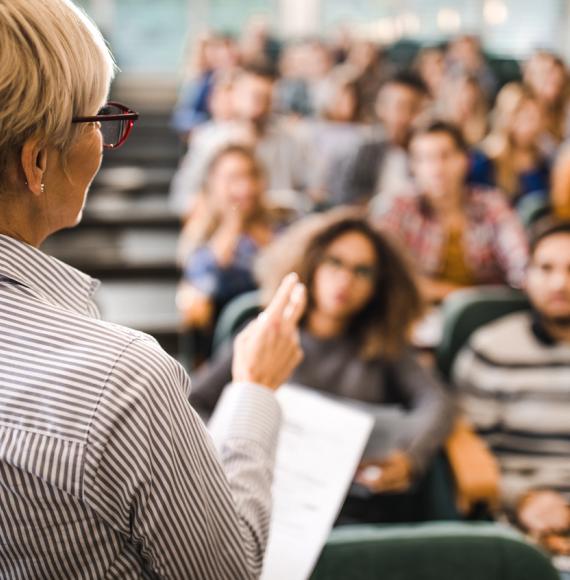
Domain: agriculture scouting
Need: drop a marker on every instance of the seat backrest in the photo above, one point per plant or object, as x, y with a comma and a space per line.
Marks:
533, 207
467, 310
235, 314
434, 551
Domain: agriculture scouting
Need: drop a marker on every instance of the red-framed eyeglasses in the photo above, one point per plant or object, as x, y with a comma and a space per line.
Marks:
116, 123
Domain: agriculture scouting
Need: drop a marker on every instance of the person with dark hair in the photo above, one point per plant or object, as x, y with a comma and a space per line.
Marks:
284, 154
381, 164
231, 222
514, 382
362, 302
459, 235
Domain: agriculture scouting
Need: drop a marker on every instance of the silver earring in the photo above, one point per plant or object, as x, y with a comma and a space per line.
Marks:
42, 188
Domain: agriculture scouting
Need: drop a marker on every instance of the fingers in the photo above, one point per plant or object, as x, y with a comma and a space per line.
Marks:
278, 305
297, 304
370, 476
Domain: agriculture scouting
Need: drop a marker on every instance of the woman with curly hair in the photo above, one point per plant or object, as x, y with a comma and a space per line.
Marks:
362, 302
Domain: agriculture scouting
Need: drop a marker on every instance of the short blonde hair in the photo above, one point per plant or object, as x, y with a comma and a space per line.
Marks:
54, 65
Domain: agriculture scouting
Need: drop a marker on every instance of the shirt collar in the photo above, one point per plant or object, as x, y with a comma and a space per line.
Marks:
539, 330
54, 281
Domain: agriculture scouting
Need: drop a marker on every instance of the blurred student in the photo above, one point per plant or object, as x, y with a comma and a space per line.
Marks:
511, 157
546, 76
281, 151
430, 66
362, 301
514, 380
368, 68
215, 53
459, 235
292, 94
232, 221
381, 164
465, 55
464, 103
334, 135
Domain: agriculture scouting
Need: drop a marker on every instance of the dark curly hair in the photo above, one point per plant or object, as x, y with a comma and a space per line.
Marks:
382, 327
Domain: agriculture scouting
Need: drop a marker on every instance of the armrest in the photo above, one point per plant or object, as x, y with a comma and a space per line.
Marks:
475, 469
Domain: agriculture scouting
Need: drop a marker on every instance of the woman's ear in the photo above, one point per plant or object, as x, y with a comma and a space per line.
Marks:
34, 164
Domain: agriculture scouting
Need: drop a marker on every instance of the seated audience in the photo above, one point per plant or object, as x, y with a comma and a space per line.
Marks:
381, 165
282, 153
458, 234
362, 301
511, 156
514, 381
231, 222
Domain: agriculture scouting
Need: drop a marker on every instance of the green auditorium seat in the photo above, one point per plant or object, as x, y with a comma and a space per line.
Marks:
239, 311
467, 310
435, 551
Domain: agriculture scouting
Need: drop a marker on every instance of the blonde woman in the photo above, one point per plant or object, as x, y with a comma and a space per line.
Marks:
106, 470
512, 158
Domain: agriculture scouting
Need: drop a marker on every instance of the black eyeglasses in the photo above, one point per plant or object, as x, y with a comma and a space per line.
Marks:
116, 123
360, 271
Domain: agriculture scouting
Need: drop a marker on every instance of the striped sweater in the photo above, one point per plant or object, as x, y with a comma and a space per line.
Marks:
514, 386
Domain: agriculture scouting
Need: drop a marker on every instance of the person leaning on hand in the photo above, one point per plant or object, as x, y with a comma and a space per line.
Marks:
106, 471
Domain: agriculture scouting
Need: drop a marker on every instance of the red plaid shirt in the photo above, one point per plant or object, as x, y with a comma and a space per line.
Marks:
495, 243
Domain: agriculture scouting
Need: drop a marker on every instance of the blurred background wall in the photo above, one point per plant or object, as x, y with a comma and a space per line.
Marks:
150, 37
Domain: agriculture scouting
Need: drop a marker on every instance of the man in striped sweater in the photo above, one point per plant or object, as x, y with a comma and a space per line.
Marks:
514, 382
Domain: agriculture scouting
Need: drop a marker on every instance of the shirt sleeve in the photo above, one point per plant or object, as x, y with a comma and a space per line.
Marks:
210, 380
431, 410
152, 472
202, 271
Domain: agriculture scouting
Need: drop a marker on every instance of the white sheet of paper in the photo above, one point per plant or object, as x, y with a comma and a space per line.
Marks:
320, 445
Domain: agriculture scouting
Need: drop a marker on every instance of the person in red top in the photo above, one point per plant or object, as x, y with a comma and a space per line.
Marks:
459, 235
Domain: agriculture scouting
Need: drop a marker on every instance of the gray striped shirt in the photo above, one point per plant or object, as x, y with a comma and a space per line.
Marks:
105, 469
515, 389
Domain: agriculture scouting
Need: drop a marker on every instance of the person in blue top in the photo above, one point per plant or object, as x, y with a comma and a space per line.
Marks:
230, 223
511, 157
